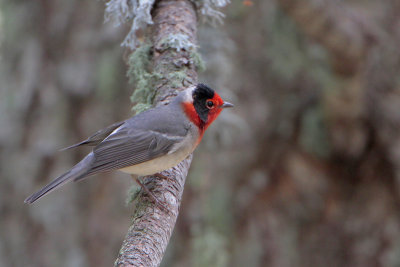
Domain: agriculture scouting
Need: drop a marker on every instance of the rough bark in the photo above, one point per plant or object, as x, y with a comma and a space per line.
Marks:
152, 226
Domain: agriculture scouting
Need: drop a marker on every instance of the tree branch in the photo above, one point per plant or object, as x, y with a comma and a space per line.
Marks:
174, 39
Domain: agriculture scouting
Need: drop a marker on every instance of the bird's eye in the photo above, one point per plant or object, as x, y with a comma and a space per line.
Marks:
210, 104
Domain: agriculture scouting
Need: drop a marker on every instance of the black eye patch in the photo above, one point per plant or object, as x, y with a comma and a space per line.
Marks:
200, 96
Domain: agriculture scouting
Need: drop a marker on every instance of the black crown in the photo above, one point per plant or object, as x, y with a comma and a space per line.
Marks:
203, 92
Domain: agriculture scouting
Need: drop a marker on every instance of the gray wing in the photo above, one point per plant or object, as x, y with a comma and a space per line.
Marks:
123, 144
97, 137
125, 148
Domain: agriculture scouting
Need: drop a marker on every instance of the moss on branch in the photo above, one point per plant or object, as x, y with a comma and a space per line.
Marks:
142, 77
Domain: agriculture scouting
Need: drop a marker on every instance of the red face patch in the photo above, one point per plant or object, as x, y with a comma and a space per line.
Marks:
191, 112
214, 109
214, 106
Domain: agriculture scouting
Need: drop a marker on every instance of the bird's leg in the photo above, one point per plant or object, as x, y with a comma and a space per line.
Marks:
151, 195
162, 176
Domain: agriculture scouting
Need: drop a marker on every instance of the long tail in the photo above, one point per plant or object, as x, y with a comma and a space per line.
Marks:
80, 170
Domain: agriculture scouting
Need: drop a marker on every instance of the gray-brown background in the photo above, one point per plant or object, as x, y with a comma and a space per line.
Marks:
303, 172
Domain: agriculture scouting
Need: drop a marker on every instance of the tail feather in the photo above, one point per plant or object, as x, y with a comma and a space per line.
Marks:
78, 171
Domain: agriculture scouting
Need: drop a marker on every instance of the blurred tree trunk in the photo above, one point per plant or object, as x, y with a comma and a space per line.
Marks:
331, 156
62, 77
306, 174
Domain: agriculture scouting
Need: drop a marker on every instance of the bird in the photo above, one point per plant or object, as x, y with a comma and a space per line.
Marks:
149, 142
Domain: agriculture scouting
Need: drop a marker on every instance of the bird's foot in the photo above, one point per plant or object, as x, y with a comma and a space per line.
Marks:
152, 196
162, 176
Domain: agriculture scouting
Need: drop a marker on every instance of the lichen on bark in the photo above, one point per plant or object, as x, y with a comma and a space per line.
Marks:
142, 77
139, 12
159, 70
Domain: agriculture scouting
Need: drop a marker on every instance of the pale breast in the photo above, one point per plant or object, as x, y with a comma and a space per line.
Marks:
177, 154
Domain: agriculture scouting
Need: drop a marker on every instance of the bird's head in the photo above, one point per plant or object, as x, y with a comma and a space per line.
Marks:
203, 105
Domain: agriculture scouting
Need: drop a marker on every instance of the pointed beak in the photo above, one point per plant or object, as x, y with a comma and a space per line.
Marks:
227, 105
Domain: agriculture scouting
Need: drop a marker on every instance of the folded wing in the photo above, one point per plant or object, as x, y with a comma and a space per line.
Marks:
97, 137
125, 148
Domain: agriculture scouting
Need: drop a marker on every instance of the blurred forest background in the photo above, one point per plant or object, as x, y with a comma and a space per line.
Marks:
304, 171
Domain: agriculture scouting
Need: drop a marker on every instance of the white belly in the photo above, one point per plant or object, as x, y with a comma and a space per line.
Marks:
178, 153
158, 164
